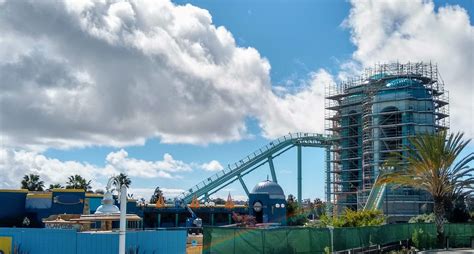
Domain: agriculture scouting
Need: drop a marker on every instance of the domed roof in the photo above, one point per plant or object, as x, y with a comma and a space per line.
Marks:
273, 189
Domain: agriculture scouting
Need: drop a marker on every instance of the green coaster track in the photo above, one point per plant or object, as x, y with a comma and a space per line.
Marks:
235, 172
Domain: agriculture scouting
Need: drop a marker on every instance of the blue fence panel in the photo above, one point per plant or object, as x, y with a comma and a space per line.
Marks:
40, 240
90, 243
64, 241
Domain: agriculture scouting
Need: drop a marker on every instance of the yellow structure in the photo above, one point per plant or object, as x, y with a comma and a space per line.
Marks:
194, 203
160, 203
5, 244
229, 204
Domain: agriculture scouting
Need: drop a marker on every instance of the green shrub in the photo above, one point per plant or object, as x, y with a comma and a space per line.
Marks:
423, 218
423, 240
297, 220
352, 218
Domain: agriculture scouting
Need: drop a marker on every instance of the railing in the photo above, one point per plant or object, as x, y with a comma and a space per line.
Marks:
295, 138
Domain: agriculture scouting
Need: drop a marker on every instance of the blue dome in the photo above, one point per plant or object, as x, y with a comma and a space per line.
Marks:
271, 188
413, 87
401, 82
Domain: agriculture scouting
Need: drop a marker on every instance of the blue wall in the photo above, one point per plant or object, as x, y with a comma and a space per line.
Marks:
64, 241
13, 208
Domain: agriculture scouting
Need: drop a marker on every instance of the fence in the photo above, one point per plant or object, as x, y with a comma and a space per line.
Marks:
317, 240
65, 241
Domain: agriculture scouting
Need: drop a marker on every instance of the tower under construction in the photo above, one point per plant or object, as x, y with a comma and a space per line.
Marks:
373, 116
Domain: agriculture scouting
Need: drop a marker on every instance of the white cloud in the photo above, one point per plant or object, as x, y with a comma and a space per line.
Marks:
116, 73
146, 193
212, 166
14, 164
302, 111
414, 31
285, 171
141, 168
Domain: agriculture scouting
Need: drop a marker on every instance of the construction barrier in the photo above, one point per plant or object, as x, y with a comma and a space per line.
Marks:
68, 241
318, 240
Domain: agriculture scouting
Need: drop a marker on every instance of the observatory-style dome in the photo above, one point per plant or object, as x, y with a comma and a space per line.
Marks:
271, 188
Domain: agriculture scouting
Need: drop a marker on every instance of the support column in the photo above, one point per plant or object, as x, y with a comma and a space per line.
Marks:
176, 223
212, 219
328, 181
299, 174
272, 169
159, 220
243, 185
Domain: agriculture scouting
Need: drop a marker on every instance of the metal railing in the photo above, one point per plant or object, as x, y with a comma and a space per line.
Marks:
300, 138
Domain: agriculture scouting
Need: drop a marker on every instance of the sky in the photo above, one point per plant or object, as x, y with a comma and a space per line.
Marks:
172, 92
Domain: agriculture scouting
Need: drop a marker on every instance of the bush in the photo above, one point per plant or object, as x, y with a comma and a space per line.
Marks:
295, 215
297, 220
352, 218
423, 240
423, 218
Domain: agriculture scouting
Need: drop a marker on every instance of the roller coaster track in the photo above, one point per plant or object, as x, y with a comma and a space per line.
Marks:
253, 161
376, 196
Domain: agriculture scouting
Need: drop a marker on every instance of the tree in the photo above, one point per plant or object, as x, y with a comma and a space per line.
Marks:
156, 195
123, 179
55, 186
32, 183
429, 165
218, 201
456, 209
350, 218
78, 182
295, 215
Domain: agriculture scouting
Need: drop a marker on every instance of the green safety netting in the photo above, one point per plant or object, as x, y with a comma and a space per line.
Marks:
315, 240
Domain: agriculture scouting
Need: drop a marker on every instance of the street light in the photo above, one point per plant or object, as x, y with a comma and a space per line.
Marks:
122, 189
331, 232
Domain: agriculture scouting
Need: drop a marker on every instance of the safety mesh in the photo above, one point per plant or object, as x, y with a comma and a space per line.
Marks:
314, 240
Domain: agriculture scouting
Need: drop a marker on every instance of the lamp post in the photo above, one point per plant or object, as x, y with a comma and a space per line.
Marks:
123, 218
331, 232
122, 189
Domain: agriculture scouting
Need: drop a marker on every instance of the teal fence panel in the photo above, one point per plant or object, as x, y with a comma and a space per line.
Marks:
314, 240
64, 241
41, 240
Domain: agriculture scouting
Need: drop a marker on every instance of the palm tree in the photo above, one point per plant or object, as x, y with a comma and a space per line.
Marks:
429, 166
123, 179
77, 182
55, 186
32, 183
156, 195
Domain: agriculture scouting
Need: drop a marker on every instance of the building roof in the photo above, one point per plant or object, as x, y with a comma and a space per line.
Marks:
273, 189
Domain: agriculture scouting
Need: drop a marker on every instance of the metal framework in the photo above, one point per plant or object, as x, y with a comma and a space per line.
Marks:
372, 116
258, 158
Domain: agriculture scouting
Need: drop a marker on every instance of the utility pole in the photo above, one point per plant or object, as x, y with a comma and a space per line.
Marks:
123, 218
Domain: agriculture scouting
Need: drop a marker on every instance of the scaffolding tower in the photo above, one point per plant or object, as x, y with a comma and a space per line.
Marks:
371, 117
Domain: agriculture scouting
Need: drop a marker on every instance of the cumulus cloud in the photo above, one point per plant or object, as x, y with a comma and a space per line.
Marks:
405, 31
142, 168
302, 111
78, 73
14, 164
146, 193
212, 166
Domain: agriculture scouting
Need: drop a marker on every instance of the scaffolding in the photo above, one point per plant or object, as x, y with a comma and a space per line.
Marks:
373, 116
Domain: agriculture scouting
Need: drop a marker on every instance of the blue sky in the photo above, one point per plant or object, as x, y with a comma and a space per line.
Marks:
298, 38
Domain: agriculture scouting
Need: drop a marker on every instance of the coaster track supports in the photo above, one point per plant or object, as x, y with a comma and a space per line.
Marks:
299, 174
272, 169
243, 185
328, 182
